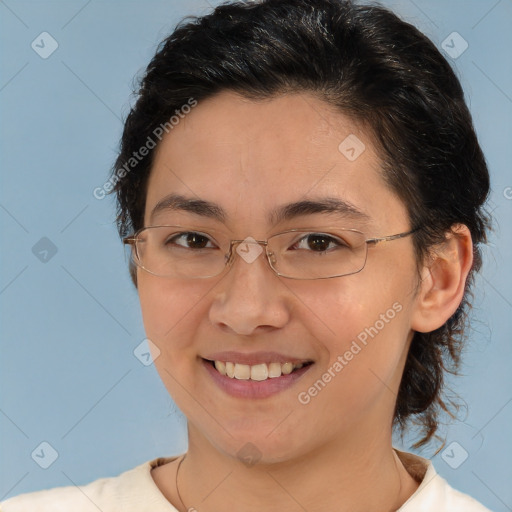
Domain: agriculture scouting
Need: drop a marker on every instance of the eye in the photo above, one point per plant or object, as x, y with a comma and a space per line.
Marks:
190, 240
320, 242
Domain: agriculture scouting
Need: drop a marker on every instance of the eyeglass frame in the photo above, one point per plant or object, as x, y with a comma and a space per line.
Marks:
132, 240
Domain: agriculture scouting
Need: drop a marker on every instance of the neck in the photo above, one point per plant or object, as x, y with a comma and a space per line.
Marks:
344, 478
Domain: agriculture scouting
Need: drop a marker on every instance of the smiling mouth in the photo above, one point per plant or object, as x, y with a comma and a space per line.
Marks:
257, 372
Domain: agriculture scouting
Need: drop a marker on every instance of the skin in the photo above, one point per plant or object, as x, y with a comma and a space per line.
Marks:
335, 453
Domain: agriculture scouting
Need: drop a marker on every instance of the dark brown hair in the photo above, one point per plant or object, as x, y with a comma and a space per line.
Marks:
367, 63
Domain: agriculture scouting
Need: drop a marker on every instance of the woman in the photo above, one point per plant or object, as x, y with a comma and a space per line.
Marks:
302, 191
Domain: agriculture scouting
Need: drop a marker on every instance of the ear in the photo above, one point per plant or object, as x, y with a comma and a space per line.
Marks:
443, 280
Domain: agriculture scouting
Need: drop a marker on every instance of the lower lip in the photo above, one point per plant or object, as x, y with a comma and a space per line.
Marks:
253, 388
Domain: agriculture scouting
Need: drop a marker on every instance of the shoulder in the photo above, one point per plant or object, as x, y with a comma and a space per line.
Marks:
133, 490
434, 492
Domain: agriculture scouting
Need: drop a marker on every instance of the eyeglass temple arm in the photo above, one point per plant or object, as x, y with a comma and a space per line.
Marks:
391, 237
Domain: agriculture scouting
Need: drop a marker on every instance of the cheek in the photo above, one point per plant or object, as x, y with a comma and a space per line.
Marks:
351, 307
365, 325
361, 372
167, 307
170, 311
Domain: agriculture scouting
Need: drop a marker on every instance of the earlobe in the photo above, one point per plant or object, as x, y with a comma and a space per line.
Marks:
443, 280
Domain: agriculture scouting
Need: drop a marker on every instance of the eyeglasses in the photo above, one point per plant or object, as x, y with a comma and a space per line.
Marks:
179, 252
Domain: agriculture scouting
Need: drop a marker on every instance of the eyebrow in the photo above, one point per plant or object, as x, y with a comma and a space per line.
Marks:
203, 208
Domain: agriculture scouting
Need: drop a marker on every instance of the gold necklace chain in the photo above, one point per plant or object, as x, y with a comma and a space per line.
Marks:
177, 488
186, 509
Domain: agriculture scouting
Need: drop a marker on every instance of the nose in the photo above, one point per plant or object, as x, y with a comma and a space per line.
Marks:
250, 297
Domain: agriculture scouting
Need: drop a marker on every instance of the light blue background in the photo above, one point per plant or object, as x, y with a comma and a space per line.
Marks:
69, 326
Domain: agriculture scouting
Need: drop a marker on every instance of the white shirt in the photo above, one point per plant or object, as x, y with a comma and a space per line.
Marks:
135, 491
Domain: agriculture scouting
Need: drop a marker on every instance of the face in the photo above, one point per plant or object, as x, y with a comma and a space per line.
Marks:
350, 333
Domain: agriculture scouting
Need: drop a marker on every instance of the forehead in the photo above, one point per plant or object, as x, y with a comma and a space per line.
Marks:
252, 156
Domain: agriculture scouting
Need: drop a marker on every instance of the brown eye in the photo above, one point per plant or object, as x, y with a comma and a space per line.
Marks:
319, 242
190, 240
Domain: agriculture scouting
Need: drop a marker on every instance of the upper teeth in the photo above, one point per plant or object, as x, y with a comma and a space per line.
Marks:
255, 372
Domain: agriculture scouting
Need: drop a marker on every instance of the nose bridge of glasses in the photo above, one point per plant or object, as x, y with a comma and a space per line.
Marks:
248, 249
